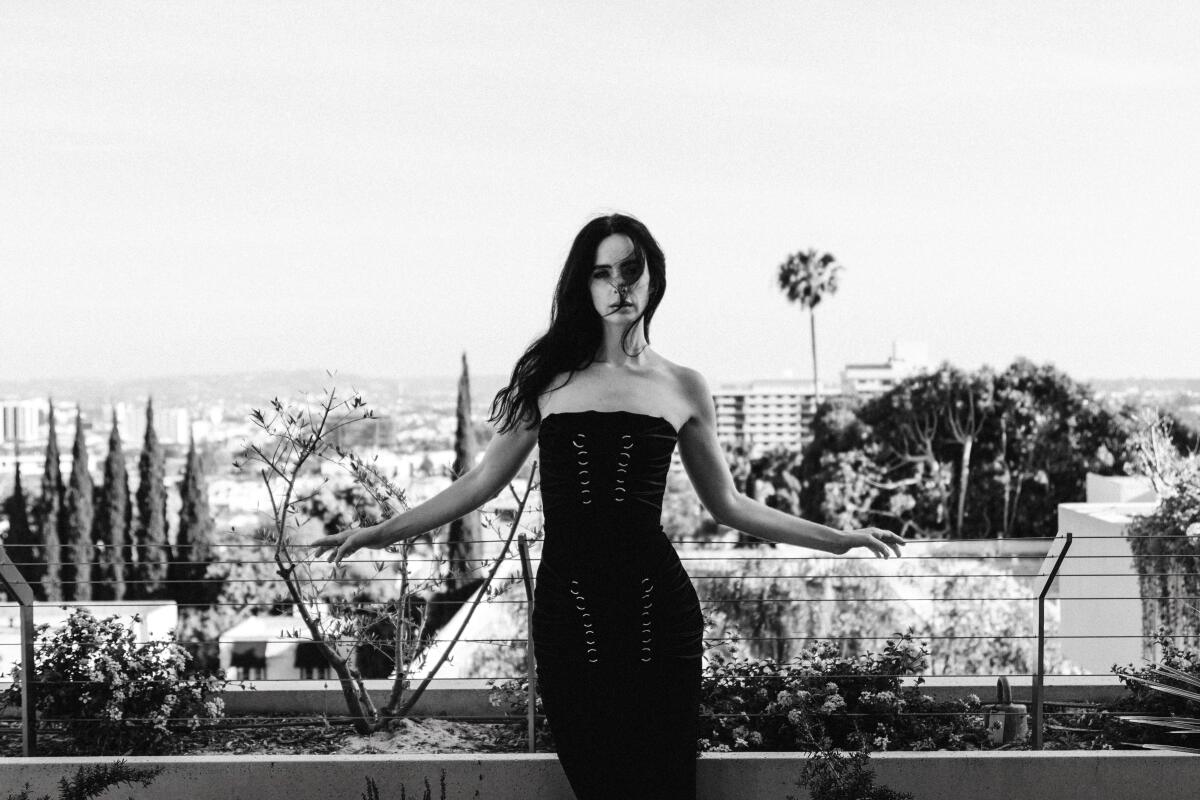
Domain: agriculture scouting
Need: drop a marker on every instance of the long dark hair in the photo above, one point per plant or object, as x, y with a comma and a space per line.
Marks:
576, 332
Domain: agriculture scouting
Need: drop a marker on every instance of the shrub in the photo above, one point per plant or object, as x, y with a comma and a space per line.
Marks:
93, 780
1159, 693
111, 691
829, 775
852, 702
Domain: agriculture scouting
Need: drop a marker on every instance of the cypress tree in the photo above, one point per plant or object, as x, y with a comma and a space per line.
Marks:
51, 520
461, 541
114, 514
151, 529
193, 538
22, 544
80, 515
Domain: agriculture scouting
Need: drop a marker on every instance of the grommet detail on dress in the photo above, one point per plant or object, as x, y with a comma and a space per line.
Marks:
589, 635
585, 475
622, 467
647, 586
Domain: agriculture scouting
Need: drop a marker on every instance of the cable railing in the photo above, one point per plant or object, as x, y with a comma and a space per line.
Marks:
805, 588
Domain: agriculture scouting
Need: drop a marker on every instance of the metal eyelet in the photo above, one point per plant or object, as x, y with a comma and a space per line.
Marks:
584, 474
589, 632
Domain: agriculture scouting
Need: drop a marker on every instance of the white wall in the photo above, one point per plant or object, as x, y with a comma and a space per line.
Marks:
1098, 588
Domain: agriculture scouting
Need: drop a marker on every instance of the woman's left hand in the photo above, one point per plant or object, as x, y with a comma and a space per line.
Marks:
880, 542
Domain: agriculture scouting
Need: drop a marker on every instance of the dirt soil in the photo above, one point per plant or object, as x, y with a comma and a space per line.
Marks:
409, 736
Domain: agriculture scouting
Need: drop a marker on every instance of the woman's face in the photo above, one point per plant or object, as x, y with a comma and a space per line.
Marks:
620, 283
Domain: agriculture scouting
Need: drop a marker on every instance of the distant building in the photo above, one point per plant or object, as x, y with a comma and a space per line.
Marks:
22, 419
767, 412
171, 425
870, 380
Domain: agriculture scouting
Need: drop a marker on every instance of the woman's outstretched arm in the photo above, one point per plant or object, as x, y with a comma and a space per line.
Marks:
705, 463
505, 454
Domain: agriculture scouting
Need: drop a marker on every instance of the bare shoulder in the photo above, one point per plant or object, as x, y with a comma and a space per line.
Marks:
692, 389
557, 382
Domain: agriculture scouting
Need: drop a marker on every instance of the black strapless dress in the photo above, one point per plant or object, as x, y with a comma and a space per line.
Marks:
617, 627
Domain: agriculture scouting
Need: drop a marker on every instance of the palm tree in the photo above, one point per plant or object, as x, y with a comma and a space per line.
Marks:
807, 278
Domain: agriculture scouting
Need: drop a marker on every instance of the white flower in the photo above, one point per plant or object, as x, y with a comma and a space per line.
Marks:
832, 704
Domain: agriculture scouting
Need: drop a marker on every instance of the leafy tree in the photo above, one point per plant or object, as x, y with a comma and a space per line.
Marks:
50, 518
114, 517
1047, 432
151, 531
21, 542
1164, 541
737, 459
967, 413
79, 510
193, 552
807, 278
917, 450
962, 454
464, 532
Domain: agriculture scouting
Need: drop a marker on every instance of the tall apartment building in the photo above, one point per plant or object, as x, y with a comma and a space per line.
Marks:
767, 412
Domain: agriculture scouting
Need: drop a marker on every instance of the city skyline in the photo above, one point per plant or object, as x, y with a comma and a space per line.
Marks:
234, 188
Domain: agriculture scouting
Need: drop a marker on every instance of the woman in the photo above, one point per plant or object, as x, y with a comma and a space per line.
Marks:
617, 628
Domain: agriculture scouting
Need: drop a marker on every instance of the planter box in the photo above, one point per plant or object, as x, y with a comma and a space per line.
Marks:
1054, 775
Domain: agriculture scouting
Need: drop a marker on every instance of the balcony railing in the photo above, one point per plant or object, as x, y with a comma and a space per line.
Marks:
807, 598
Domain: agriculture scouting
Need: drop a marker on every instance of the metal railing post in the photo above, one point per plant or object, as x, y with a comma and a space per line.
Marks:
1062, 544
527, 575
15, 582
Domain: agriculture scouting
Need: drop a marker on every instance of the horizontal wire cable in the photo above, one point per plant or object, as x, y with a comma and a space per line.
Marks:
703, 601
808, 577
684, 557
422, 541
796, 678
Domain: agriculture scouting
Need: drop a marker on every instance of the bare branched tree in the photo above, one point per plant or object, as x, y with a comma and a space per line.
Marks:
297, 440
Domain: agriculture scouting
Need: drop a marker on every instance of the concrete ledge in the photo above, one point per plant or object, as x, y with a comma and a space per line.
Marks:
1053, 775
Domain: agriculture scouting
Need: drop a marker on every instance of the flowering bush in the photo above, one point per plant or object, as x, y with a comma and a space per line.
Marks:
822, 696
113, 692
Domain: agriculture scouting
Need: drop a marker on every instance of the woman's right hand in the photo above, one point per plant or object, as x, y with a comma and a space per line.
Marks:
348, 542
880, 542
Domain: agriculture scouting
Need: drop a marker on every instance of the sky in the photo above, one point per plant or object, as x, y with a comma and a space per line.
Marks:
379, 187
